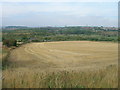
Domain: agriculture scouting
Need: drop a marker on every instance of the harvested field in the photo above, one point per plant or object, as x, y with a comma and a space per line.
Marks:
94, 59
67, 55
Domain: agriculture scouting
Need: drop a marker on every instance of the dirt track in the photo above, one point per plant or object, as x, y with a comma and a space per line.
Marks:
67, 55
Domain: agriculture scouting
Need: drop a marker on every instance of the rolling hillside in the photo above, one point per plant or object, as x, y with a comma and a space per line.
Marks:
63, 64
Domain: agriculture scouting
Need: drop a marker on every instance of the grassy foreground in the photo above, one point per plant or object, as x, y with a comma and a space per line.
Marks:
103, 78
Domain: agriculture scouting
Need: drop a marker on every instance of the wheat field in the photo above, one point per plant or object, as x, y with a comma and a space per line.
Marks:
63, 64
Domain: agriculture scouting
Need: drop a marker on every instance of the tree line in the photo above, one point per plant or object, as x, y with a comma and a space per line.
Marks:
10, 37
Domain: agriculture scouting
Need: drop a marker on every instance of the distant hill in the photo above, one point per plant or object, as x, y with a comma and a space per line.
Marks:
14, 27
56, 28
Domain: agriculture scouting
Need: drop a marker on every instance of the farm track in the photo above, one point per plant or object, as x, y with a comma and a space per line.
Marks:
65, 55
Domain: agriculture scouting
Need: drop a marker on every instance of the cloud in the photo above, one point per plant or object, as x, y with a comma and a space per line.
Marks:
40, 14
79, 9
0, 15
60, 20
60, 0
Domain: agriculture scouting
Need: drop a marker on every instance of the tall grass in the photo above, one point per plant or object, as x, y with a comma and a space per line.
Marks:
5, 54
102, 78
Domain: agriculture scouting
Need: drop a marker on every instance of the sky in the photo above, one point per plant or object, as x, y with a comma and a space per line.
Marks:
37, 13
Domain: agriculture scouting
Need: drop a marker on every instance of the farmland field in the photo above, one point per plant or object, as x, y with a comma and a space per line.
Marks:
63, 64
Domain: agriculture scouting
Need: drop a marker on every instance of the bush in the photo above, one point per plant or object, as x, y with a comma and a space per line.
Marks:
10, 42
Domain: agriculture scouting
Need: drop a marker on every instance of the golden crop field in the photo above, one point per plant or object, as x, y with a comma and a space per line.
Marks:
63, 64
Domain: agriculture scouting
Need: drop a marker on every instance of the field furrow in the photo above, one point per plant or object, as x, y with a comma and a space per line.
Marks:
69, 54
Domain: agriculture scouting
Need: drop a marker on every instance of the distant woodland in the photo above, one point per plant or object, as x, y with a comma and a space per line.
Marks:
48, 34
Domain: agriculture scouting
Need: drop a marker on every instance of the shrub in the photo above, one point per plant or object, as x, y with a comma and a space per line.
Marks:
10, 42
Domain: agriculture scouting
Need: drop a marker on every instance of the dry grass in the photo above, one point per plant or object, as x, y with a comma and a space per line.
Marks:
63, 64
103, 78
0, 64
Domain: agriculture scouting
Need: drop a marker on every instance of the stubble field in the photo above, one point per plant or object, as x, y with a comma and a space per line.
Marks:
63, 64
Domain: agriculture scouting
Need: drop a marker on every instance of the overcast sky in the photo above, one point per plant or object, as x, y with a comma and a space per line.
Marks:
60, 12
